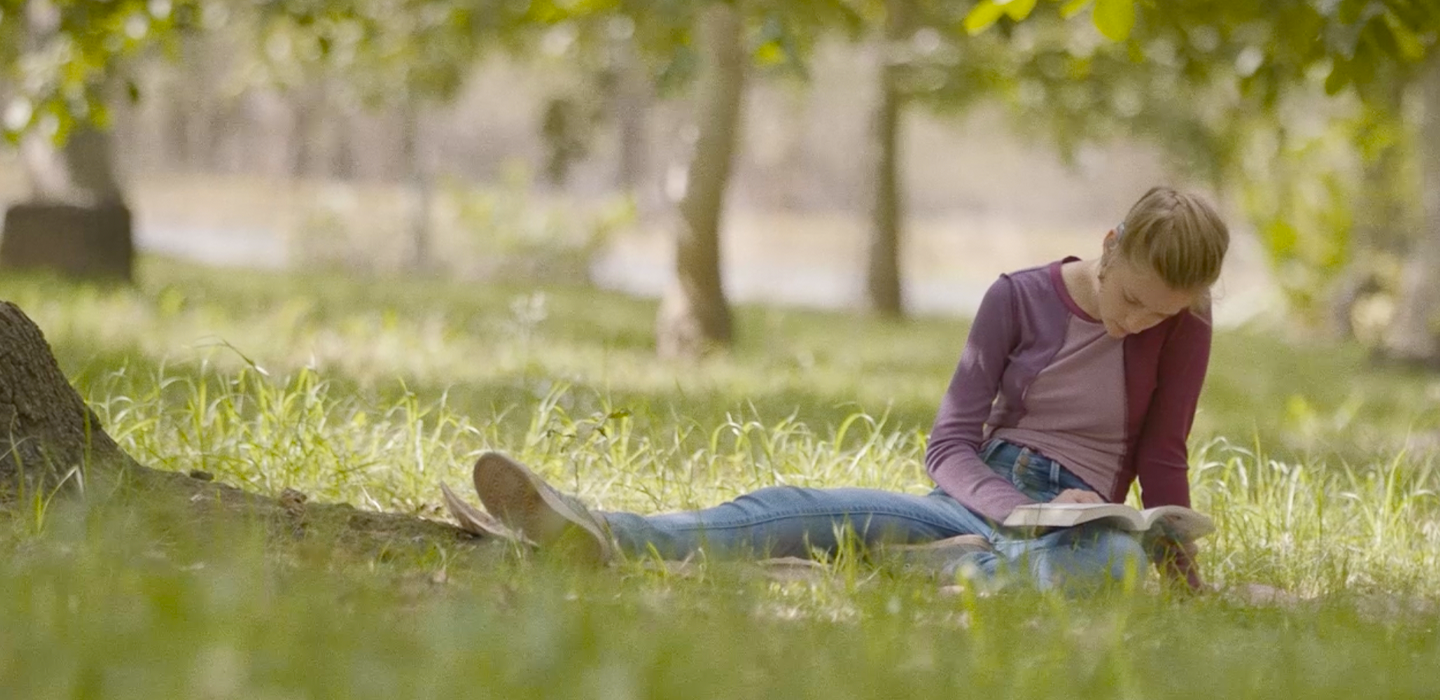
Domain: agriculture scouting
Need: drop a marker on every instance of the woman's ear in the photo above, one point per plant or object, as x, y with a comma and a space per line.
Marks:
1107, 249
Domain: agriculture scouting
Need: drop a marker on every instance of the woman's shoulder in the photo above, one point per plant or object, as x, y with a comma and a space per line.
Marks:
1030, 280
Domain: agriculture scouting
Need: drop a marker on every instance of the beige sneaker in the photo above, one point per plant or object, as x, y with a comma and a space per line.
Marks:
476, 521
931, 556
525, 503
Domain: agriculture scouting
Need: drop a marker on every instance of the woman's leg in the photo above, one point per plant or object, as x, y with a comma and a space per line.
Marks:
776, 521
792, 521
1070, 559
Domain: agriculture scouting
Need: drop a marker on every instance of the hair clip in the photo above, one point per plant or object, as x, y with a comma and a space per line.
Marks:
1120, 230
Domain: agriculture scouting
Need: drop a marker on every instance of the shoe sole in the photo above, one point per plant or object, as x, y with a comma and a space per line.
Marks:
476, 521
524, 502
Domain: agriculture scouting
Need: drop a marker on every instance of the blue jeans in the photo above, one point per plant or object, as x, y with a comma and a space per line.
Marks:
793, 521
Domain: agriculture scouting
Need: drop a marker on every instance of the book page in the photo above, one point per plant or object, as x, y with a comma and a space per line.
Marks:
1071, 514
1178, 522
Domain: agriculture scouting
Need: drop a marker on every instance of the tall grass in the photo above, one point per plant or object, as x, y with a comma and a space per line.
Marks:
1315, 529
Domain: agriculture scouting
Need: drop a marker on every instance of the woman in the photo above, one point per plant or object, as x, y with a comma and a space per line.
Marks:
1077, 377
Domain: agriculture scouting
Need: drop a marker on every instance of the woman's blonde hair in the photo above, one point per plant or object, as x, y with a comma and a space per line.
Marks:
1179, 235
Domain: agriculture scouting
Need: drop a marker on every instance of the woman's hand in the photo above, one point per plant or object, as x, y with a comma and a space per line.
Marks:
1078, 496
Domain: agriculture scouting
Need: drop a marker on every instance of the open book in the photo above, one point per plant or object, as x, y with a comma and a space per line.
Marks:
1174, 522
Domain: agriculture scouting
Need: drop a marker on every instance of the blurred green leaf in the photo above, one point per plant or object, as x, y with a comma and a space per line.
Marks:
1409, 45
1283, 238
982, 16
1338, 78
1074, 7
770, 54
1019, 9
1350, 11
1115, 18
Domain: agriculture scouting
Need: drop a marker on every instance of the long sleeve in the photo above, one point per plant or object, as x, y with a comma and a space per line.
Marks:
1161, 456
952, 457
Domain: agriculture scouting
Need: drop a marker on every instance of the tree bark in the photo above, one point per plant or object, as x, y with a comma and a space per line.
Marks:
1412, 337
48, 430
53, 442
694, 314
882, 278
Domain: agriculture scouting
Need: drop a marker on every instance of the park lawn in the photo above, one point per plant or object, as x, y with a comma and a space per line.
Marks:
1317, 467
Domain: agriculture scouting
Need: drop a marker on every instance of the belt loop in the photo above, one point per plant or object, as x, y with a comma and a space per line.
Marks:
1054, 476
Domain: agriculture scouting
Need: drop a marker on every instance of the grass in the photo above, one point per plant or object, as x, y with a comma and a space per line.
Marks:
1318, 468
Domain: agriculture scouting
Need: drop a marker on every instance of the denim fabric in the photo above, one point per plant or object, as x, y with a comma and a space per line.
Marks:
794, 521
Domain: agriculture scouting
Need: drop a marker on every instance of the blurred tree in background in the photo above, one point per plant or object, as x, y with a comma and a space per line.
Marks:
1317, 121
69, 59
65, 61
710, 47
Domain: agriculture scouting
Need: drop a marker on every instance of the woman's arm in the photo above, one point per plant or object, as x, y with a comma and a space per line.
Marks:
952, 457
1161, 456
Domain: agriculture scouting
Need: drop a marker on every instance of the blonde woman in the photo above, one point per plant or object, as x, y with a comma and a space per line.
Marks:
1078, 377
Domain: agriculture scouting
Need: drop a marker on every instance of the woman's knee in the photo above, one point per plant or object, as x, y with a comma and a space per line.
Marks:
1116, 553
1088, 556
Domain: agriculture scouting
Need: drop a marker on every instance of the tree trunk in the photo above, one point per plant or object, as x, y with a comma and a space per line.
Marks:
53, 440
76, 222
343, 164
629, 105
694, 315
882, 279
1412, 337
49, 431
307, 111
417, 167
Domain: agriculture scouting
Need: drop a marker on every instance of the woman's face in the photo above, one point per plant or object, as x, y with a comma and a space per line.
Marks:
1134, 298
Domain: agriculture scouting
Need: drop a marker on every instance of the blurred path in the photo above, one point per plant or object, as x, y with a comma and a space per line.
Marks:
811, 259
234, 246
817, 260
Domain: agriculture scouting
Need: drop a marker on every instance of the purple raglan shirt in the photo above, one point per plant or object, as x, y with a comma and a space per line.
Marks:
1019, 330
